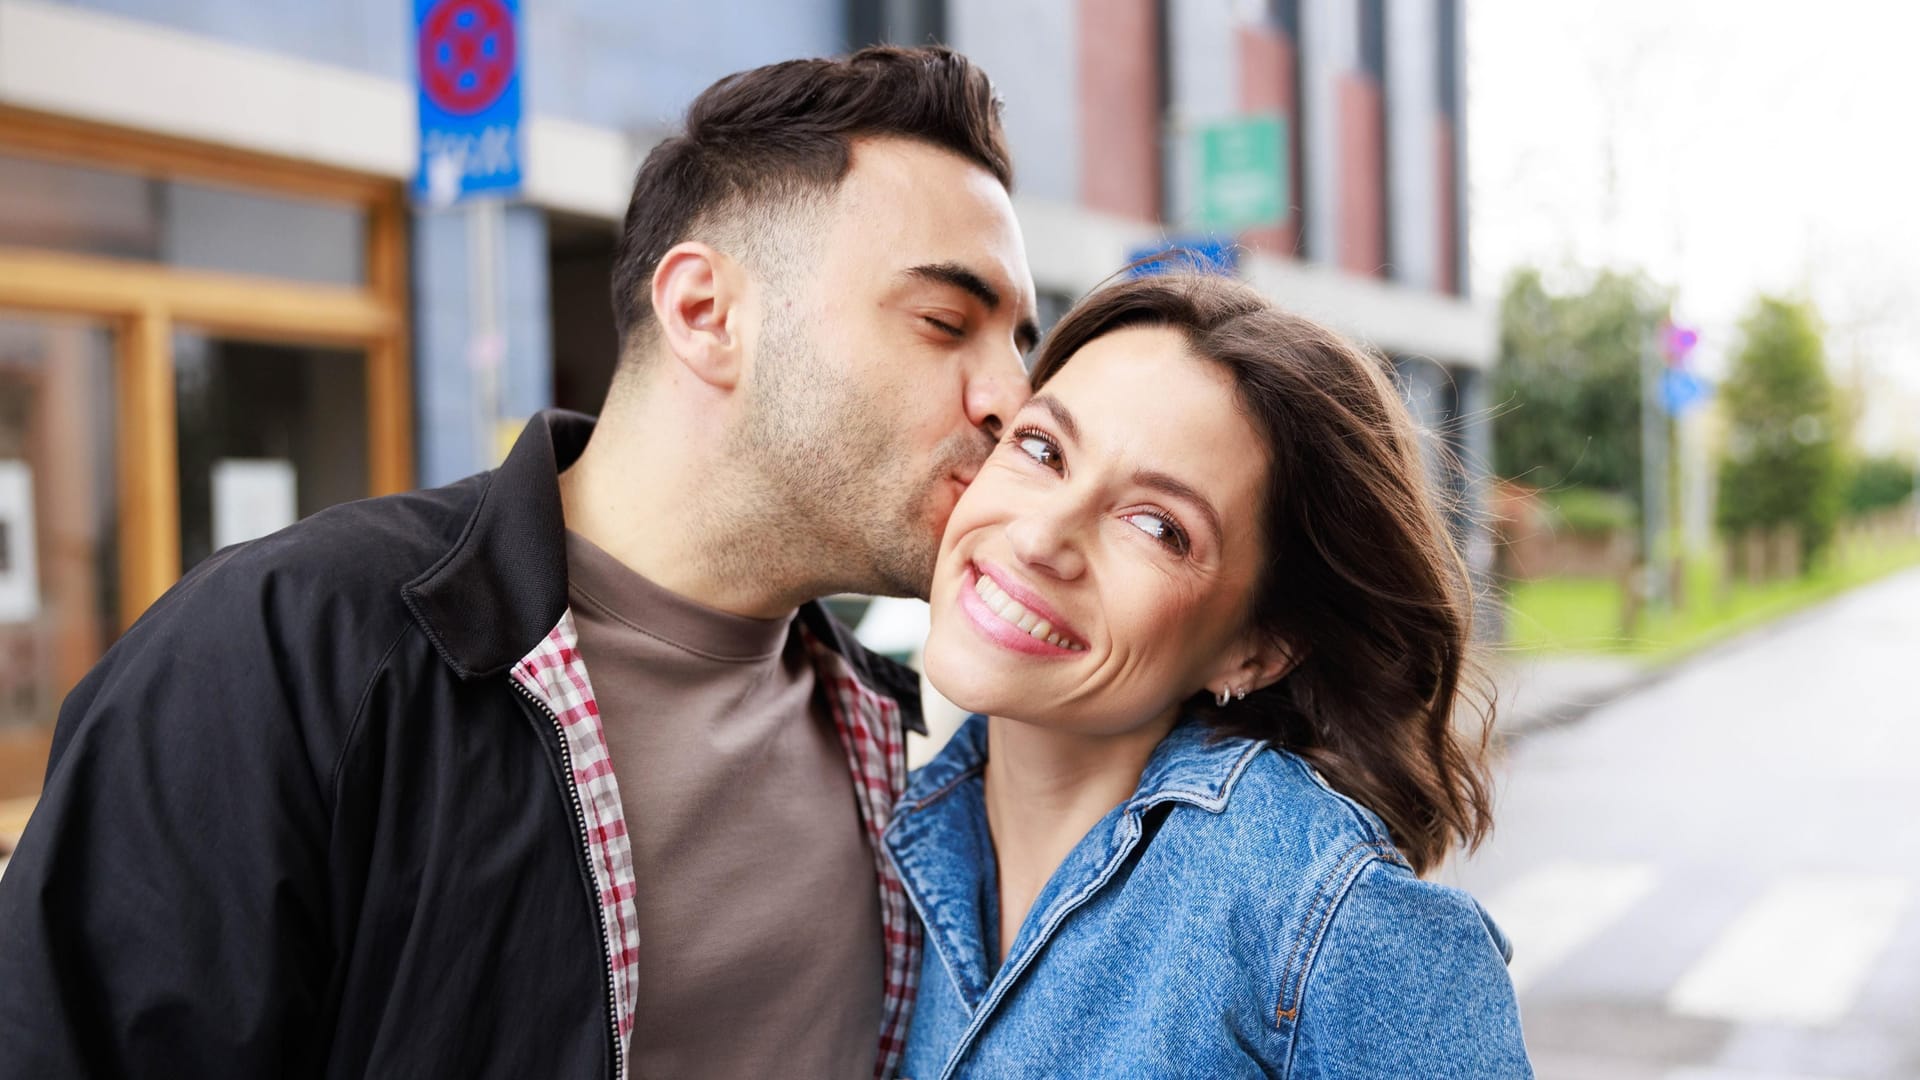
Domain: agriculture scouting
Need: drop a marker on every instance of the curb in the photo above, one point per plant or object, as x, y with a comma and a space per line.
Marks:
1566, 713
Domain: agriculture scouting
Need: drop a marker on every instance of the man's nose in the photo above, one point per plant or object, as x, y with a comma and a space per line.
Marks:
994, 393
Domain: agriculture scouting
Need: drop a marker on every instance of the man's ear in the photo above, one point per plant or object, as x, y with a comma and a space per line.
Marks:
696, 302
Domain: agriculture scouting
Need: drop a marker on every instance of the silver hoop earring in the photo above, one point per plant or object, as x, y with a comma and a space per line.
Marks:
1220, 699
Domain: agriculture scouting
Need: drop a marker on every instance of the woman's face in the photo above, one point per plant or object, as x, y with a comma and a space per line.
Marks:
1101, 567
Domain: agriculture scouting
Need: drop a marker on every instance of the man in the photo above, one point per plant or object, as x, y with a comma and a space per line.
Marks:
560, 771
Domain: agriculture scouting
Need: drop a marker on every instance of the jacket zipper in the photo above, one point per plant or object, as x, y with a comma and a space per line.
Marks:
599, 913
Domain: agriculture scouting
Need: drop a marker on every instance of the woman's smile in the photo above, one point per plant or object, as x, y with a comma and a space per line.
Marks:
1023, 623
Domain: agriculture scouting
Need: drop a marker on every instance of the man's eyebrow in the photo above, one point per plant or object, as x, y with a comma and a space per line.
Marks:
1180, 489
1026, 334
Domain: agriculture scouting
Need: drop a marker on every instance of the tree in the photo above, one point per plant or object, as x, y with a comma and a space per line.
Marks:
1783, 462
1567, 382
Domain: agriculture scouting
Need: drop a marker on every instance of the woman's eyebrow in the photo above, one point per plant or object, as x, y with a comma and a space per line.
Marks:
1058, 410
1168, 484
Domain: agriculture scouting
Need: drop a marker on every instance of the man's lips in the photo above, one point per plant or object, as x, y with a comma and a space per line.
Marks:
1014, 615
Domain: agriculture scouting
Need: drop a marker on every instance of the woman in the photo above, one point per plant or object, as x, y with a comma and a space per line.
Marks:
1216, 629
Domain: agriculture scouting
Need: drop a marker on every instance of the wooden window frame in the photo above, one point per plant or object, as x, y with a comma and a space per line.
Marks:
141, 302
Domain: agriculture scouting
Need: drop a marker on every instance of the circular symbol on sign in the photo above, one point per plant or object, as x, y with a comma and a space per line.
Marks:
466, 54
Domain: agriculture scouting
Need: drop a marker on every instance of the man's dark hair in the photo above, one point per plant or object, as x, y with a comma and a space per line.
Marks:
761, 139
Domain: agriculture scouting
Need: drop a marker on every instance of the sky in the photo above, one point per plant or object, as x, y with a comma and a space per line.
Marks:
1725, 147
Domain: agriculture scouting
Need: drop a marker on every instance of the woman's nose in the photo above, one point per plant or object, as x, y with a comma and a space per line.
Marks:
1047, 543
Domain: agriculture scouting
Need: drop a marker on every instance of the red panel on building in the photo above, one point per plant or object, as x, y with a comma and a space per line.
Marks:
1119, 108
1267, 59
1446, 275
1362, 199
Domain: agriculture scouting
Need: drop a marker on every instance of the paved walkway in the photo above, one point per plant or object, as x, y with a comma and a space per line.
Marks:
1714, 876
1539, 691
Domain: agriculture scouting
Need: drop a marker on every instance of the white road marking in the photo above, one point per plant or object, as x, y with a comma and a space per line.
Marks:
1798, 954
1738, 1075
1553, 911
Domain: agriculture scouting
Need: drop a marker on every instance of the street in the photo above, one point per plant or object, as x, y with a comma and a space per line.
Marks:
1718, 877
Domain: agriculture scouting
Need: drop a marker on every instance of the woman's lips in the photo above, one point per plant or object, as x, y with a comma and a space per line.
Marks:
1009, 622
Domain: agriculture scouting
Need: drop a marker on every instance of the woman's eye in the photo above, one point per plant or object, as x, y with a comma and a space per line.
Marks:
1039, 448
944, 327
1160, 529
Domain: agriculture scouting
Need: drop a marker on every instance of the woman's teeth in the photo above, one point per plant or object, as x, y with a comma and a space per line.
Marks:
1012, 611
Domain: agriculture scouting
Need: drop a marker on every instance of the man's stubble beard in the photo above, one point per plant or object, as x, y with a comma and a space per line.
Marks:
833, 502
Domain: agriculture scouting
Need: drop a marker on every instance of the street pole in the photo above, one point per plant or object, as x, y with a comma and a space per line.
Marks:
1653, 475
486, 343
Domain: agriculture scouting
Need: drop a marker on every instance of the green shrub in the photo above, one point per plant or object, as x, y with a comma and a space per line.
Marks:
1589, 511
1879, 483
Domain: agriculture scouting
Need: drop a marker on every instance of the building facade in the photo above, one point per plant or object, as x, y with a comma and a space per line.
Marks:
221, 310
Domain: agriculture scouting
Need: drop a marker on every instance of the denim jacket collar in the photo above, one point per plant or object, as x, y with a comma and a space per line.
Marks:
1190, 765
939, 842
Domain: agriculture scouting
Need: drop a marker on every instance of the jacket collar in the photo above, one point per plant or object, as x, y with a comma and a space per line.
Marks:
1192, 764
502, 587
495, 595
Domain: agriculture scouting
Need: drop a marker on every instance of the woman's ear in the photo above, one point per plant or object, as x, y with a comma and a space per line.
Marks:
1254, 665
696, 300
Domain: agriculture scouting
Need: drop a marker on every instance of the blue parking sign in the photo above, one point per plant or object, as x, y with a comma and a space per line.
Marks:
1681, 391
468, 69
1195, 255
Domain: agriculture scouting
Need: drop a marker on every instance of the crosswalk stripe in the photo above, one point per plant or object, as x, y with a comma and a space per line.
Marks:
1553, 911
1799, 953
1710, 1073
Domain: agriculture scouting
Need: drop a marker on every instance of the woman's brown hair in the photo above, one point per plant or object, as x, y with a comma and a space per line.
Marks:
1361, 581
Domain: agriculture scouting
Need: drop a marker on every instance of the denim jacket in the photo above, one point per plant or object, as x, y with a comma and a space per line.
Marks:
1235, 917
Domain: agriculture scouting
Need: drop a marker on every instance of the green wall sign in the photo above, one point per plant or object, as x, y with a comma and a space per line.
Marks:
1243, 172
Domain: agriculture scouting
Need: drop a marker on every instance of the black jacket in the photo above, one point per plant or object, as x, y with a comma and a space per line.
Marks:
297, 822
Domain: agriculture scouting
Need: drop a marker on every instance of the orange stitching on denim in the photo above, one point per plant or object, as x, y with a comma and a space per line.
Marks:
943, 790
1283, 1015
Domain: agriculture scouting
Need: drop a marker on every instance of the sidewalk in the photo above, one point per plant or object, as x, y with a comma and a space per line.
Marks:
1545, 690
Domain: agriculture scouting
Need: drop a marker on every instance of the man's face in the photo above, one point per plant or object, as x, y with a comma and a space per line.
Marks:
881, 378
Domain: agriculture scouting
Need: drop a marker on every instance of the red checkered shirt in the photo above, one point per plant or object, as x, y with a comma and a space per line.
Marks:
870, 731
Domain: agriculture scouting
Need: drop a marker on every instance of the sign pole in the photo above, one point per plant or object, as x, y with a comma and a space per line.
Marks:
1653, 475
486, 341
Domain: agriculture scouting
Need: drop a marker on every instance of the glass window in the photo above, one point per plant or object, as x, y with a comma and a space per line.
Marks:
210, 228
268, 434
59, 560
91, 211
897, 22
76, 209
